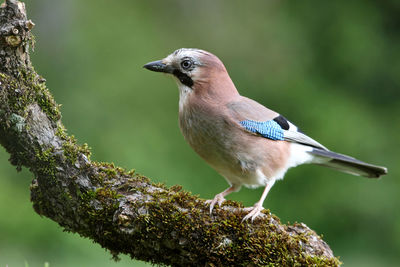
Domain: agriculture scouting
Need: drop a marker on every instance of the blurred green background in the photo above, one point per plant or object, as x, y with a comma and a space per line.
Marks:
332, 67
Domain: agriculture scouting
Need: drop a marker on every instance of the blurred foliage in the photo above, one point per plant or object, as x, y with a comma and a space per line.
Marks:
331, 67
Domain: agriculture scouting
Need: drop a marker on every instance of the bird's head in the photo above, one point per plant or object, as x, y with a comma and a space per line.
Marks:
194, 70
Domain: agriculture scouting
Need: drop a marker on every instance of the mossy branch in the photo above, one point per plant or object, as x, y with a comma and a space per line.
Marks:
123, 211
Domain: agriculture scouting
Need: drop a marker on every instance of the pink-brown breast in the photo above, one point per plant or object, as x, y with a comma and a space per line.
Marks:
222, 142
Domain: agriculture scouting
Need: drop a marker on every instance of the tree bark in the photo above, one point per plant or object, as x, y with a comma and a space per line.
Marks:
123, 211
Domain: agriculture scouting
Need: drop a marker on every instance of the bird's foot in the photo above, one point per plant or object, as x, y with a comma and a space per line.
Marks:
219, 198
254, 212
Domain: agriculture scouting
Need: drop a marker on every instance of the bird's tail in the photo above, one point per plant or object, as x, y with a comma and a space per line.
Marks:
347, 164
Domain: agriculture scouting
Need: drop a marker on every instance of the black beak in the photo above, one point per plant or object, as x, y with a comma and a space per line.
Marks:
158, 66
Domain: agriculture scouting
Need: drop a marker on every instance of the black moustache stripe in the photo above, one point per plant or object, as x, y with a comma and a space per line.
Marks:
183, 78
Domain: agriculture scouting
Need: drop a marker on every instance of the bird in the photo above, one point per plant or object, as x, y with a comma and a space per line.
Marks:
245, 142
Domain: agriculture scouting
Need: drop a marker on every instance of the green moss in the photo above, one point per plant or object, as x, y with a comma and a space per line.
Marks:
46, 102
15, 94
102, 194
42, 95
70, 146
106, 193
236, 243
131, 172
109, 169
61, 131
97, 210
26, 90
72, 150
46, 163
108, 172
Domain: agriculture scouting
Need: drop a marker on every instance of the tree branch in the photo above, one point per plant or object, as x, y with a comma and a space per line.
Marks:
123, 211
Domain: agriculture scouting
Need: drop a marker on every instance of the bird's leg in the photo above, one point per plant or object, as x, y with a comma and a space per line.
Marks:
258, 206
220, 198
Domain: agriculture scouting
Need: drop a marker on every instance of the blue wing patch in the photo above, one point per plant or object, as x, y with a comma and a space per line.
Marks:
269, 129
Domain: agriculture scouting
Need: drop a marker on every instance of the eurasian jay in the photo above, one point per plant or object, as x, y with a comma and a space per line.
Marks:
245, 142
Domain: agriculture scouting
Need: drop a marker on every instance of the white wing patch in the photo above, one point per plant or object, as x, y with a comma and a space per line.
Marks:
292, 127
301, 138
293, 135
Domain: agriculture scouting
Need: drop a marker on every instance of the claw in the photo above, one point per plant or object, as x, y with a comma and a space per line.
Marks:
254, 212
257, 208
219, 198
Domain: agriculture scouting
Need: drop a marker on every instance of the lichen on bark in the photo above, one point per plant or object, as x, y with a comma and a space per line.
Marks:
121, 210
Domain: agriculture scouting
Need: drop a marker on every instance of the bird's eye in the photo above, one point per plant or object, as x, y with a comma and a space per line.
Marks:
186, 64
